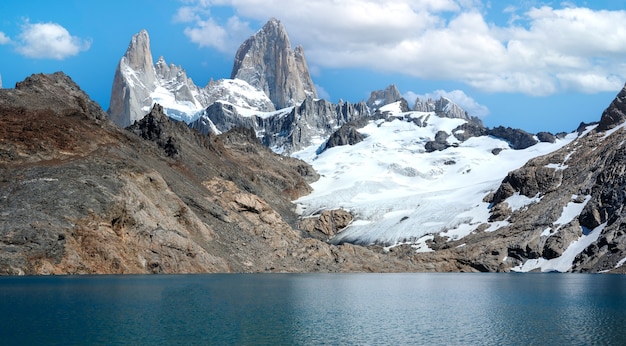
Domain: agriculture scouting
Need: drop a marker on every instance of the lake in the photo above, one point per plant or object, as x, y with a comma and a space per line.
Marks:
315, 309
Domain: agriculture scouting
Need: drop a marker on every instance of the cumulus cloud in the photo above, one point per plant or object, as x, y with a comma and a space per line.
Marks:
540, 51
4, 39
457, 96
49, 41
224, 38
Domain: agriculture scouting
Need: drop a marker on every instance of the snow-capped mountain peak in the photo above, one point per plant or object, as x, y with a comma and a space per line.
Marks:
139, 83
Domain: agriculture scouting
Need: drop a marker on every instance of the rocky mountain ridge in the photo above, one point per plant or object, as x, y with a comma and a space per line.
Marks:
286, 130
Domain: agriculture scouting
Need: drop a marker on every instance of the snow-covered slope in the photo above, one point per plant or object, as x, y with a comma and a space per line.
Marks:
398, 192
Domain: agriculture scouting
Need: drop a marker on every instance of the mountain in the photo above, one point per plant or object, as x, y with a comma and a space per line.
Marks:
422, 188
267, 76
80, 195
267, 62
139, 83
413, 174
443, 106
285, 130
383, 97
468, 205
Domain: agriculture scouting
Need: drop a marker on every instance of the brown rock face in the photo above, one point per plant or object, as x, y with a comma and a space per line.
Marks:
327, 224
267, 62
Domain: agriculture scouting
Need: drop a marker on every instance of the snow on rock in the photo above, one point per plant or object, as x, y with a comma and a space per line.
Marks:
186, 110
565, 261
399, 193
572, 210
517, 201
238, 93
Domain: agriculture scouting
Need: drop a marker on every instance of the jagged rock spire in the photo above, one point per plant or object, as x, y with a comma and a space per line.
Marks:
380, 98
443, 107
130, 90
267, 62
615, 114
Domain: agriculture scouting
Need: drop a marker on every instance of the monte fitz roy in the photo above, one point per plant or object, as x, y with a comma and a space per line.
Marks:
256, 173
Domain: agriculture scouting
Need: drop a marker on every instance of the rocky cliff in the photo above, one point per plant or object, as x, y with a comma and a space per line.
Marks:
267, 62
80, 195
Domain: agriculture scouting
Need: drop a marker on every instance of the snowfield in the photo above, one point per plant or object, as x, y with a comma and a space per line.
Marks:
186, 111
399, 193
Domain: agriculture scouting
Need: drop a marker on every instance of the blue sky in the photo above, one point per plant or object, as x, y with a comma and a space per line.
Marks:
536, 65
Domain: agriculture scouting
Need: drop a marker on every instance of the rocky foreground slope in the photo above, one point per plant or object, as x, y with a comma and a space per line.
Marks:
80, 195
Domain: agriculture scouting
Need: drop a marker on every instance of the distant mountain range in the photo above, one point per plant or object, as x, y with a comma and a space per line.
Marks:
186, 181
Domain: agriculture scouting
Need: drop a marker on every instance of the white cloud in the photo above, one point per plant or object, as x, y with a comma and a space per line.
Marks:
208, 33
541, 51
49, 41
186, 14
4, 39
457, 96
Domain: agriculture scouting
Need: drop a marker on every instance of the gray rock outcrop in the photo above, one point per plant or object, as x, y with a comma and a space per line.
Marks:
345, 135
518, 139
546, 137
439, 143
443, 107
615, 114
267, 62
379, 98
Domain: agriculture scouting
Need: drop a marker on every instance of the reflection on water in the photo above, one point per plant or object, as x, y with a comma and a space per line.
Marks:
315, 309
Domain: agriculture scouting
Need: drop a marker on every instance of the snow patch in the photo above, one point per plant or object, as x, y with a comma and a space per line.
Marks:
566, 260
420, 245
572, 210
518, 201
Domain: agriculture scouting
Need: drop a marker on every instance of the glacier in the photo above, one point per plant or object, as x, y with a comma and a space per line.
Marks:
398, 193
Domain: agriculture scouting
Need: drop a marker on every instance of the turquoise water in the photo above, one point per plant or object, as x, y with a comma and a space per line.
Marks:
314, 309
